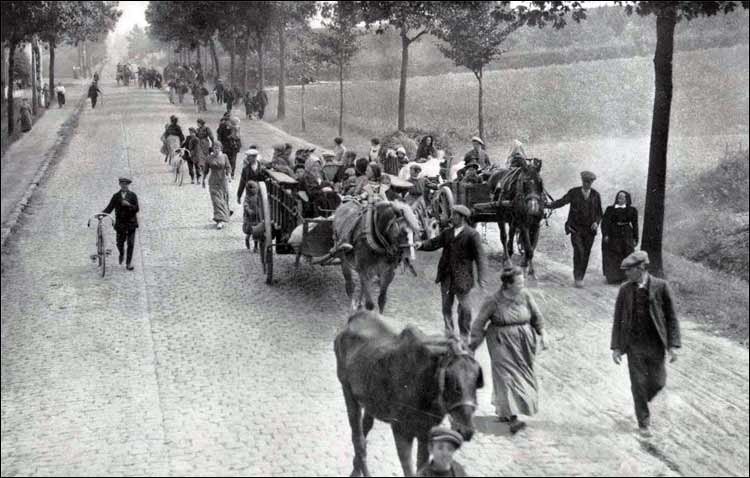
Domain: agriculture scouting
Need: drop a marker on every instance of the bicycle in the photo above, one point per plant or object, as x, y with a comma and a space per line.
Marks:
101, 251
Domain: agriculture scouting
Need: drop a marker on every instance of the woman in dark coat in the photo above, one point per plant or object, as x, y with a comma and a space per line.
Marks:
426, 148
619, 236
320, 191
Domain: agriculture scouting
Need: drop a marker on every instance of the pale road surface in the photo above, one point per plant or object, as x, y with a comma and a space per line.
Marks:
192, 365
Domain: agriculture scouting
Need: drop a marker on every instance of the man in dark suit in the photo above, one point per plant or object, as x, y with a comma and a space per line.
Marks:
125, 204
584, 216
462, 247
645, 327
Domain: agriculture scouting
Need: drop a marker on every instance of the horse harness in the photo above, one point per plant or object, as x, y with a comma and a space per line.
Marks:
374, 236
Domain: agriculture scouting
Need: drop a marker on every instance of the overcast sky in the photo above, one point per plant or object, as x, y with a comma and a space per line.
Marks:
135, 13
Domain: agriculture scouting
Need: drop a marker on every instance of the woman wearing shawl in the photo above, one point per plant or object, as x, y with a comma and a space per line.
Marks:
426, 149
510, 321
373, 184
217, 170
321, 193
619, 236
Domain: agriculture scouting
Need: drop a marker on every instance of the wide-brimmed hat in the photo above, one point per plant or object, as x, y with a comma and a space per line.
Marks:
462, 210
635, 259
477, 139
446, 434
124, 179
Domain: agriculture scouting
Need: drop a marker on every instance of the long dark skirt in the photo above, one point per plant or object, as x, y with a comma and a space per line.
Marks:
617, 248
512, 352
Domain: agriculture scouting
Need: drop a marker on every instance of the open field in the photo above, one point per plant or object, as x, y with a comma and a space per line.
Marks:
593, 116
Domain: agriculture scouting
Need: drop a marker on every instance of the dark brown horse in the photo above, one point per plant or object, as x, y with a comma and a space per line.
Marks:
525, 212
379, 239
408, 380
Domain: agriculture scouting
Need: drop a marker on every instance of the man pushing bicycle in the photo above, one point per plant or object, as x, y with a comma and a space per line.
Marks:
125, 204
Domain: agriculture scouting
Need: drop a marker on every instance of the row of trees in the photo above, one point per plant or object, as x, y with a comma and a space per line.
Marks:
51, 23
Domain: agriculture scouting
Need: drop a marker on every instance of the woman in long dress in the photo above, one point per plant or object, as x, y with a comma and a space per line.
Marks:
510, 321
619, 236
205, 142
217, 170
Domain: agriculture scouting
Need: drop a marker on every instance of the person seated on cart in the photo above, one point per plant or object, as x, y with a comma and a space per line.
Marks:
477, 154
280, 162
322, 196
470, 174
374, 185
350, 183
421, 186
299, 172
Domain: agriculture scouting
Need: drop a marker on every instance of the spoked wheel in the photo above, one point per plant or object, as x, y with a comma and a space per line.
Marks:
101, 252
266, 246
444, 205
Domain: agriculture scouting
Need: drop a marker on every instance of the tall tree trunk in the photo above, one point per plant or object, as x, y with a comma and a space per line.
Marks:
653, 219
232, 52
245, 55
341, 99
302, 105
2, 72
34, 79
80, 58
212, 46
261, 71
281, 107
11, 82
37, 65
198, 55
480, 108
402, 84
86, 65
51, 87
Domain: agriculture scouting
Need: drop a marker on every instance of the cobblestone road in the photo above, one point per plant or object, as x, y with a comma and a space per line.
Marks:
193, 365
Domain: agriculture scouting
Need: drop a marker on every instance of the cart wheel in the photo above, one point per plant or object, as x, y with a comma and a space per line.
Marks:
266, 249
445, 203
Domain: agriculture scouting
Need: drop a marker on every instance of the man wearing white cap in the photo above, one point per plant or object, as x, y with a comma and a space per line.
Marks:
252, 170
477, 154
645, 327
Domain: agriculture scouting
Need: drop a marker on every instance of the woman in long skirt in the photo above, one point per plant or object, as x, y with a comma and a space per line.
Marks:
619, 236
217, 170
511, 321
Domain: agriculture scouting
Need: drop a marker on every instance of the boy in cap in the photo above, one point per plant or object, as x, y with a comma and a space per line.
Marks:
477, 154
125, 204
443, 444
462, 248
644, 328
584, 216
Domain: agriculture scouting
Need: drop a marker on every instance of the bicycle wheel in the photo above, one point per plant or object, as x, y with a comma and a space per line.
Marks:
100, 249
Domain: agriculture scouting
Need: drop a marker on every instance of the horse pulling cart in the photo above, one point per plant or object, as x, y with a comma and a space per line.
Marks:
514, 197
281, 204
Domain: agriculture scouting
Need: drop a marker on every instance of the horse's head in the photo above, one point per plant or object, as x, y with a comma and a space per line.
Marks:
459, 377
396, 225
533, 191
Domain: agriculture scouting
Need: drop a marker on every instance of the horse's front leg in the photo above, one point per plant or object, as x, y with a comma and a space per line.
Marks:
403, 448
365, 282
354, 411
503, 240
349, 284
385, 280
423, 453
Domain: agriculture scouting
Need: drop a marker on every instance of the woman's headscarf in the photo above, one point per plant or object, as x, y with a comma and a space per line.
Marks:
628, 200
310, 162
426, 150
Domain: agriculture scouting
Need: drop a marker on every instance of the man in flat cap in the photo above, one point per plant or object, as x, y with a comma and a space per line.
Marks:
125, 204
584, 216
462, 248
644, 328
443, 444
477, 154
